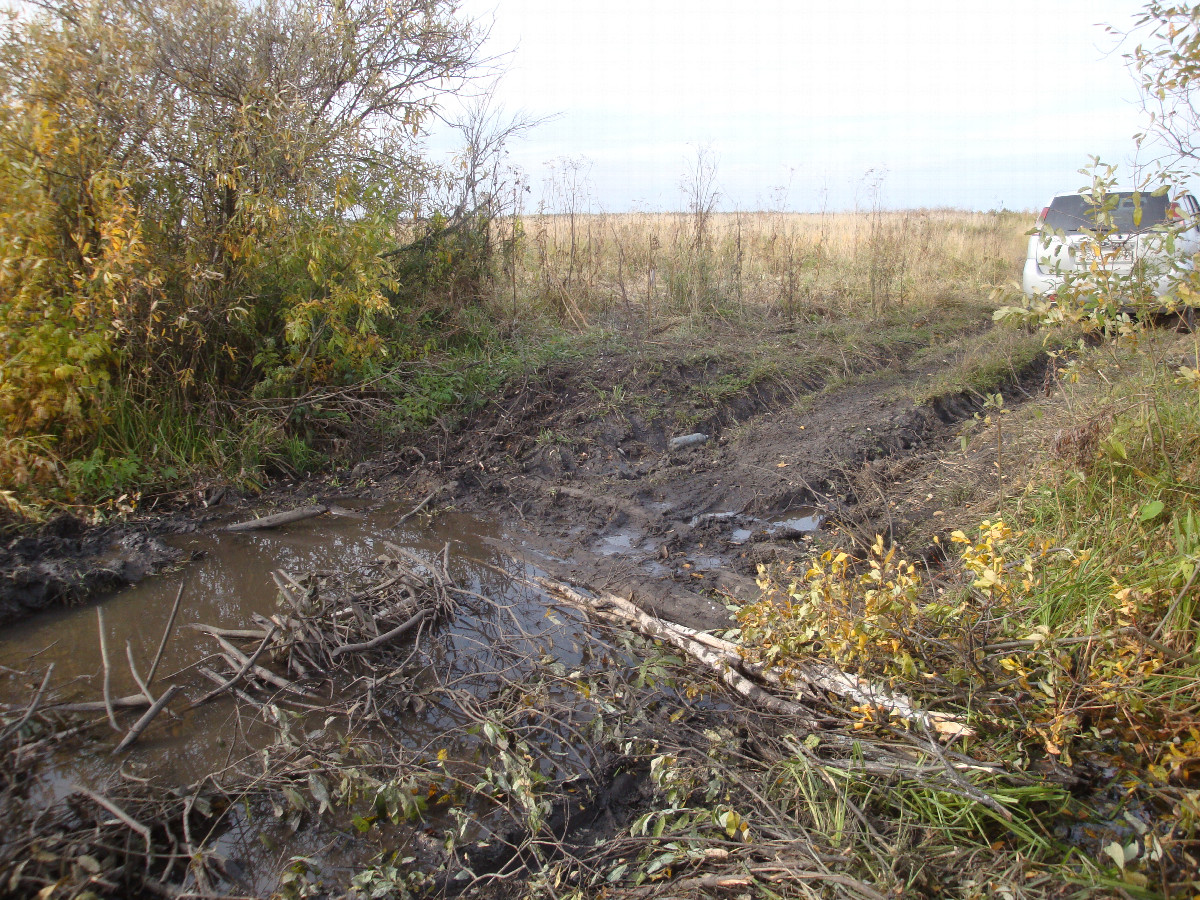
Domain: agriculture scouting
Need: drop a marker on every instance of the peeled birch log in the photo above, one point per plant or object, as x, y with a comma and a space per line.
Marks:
283, 518
719, 661
723, 657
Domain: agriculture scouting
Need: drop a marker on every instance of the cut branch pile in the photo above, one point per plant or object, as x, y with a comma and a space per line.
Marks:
749, 681
319, 627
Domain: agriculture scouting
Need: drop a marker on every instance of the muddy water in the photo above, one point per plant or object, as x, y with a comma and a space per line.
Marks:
230, 580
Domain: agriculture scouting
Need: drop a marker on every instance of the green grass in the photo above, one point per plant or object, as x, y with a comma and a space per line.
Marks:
1080, 649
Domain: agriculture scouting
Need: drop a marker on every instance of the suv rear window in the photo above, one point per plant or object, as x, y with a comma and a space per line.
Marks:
1073, 213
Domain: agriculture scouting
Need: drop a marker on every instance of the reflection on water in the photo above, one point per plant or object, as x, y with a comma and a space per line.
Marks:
226, 585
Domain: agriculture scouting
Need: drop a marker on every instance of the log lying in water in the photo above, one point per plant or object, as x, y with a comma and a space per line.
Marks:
274, 521
133, 701
724, 658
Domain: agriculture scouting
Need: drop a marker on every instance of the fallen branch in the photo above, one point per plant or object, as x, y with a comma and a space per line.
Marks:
274, 521
133, 701
145, 689
716, 660
259, 671
32, 708
236, 691
246, 667
827, 677
147, 717
420, 506
824, 677
236, 634
107, 688
162, 645
132, 823
384, 638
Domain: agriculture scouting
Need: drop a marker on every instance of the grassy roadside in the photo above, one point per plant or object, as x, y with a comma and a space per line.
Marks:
1060, 632
816, 294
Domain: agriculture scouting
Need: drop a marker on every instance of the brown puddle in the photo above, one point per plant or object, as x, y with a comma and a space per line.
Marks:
229, 582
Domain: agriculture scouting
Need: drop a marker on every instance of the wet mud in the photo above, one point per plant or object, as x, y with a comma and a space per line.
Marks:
66, 562
601, 491
547, 480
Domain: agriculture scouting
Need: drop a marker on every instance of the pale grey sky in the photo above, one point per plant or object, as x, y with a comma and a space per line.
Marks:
963, 103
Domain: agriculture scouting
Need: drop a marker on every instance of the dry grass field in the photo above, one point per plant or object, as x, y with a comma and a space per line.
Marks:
590, 269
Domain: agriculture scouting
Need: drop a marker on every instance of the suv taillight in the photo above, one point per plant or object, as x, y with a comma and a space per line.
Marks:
1042, 218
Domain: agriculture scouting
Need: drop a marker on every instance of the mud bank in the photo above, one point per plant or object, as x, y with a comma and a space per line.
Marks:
66, 562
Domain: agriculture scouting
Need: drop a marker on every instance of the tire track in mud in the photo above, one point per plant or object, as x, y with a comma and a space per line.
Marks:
617, 509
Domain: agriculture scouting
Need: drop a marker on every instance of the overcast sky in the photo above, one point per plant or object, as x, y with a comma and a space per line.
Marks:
959, 102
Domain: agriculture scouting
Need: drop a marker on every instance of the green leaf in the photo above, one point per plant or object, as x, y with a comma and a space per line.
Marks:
1151, 510
659, 825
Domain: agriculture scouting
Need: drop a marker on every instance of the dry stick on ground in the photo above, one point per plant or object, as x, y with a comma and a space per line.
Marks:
31, 708
147, 717
965, 787
145, 688
283, 518
384, 638
162, 645
108, 708
246, 667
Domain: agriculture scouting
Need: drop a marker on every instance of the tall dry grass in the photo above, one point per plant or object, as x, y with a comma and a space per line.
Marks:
593, 269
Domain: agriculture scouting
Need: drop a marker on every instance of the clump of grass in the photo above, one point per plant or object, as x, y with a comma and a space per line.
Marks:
1064, 633
646, 267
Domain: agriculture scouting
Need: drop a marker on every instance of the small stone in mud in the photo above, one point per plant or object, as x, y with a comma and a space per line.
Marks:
688, 440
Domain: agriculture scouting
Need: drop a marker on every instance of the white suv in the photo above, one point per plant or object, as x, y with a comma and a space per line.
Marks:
1128, 233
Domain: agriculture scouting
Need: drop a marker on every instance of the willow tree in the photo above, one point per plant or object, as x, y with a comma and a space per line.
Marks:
191, 190
1167, 63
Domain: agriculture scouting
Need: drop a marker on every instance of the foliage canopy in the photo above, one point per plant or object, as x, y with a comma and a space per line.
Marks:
197, 197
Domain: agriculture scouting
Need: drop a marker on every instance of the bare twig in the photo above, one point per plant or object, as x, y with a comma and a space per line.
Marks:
416, 619
132, 823
416, 509
108, 707
162, 645
246, 667
134, 672
265, 674
147, 717
32, 708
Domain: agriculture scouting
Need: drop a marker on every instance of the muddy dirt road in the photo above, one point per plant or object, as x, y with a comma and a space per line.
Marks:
650, 480
662, 473
665, 471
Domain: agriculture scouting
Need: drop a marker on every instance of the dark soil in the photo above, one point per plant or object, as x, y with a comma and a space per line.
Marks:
66, 562
577, 462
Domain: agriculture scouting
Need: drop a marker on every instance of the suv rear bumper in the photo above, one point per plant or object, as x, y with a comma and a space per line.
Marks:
1036, 282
